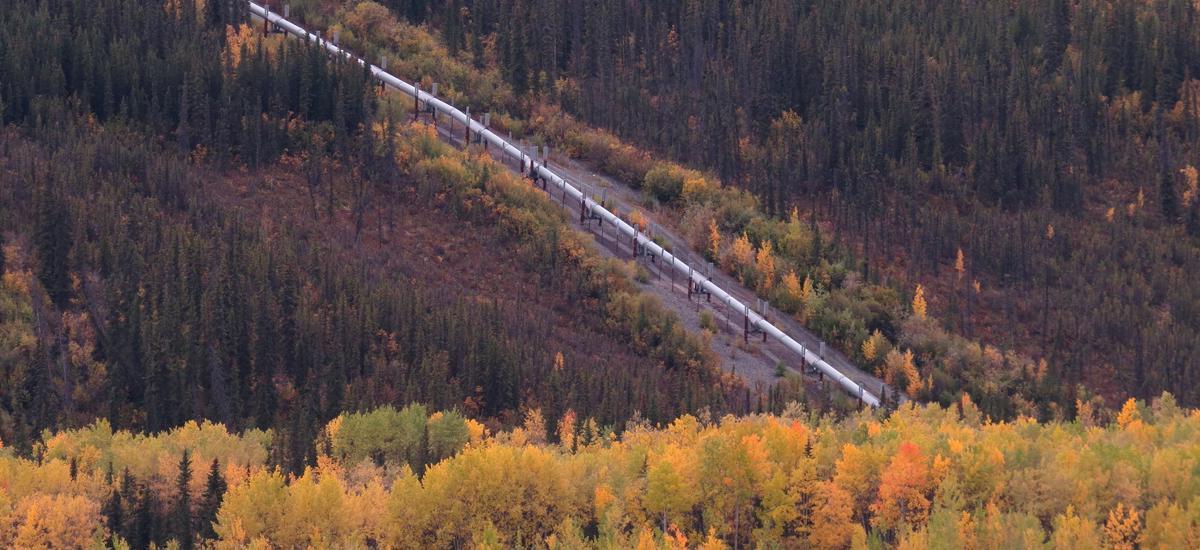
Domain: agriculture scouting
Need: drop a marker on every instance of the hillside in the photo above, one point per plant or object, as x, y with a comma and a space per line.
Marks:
801, 265
250, 299
1028, 165
281, 268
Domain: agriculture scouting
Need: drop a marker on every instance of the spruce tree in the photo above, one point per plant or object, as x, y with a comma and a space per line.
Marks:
183, 503
210, 503
112, 507
128, 496
144, 530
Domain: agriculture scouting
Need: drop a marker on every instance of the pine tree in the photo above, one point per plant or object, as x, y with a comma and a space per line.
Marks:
183, 503
112, 507
210, 503
128, 496
1170, 201
145, 524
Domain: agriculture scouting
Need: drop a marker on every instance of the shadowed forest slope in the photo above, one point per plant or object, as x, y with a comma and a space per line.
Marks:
1031, 165
274, 264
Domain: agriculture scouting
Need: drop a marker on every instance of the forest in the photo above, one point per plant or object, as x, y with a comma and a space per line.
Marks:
925, 477
144, 293
249, 299
1030, 164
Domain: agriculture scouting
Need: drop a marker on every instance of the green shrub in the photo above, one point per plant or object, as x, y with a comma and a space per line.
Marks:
664, 182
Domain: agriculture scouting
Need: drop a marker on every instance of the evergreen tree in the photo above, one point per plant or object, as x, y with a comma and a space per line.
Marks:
144, 530
53, 240
112, 511
1170, 200
210, 503
184, 528
128, 497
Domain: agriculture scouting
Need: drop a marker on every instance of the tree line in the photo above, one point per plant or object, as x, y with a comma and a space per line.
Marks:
919, 477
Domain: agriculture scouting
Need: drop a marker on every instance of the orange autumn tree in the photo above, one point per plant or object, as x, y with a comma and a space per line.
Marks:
918, 303
1123, 530
714, 241
741, 256
903, 490
897, 363
790, 292
764, 263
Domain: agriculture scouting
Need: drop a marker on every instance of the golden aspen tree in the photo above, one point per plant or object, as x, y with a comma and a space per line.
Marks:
57, 521
476, 431
645, 539
857, 473
892, 363
1167, 526
965, 526
714, 240
670, 485
959, 265
918, 303
741, 256
832, 517
806, 298
898, 363
566, 430
911, 375
868, 349
1129, 413
795, 240
535, 426
1110, 214
559, 361
1049, 232
764, 263
712, 541
875, 343
791, 289
1123, 530
1073, 532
